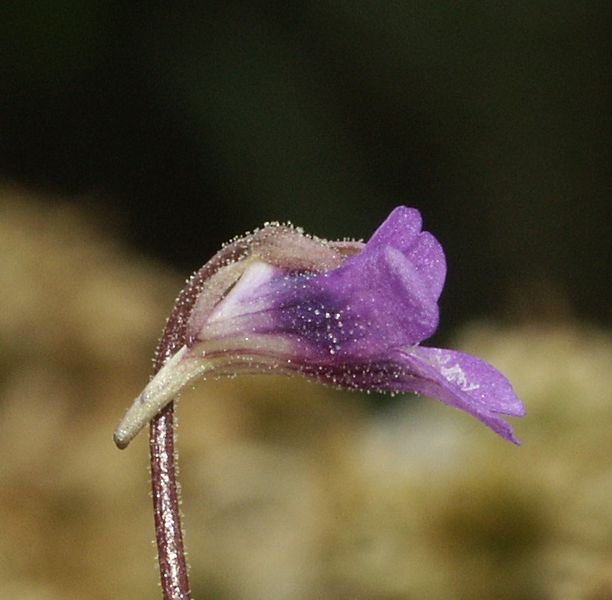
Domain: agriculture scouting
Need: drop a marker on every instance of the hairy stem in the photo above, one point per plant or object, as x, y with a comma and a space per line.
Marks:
168, 533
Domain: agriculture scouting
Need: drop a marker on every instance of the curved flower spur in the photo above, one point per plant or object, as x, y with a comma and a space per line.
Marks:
342, 313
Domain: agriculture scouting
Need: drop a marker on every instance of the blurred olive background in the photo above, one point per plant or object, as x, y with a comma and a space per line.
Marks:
136, 138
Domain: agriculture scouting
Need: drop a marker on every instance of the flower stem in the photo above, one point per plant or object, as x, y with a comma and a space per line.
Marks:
168, 533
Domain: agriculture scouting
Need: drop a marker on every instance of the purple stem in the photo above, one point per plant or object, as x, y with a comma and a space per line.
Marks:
168, 533
164, 485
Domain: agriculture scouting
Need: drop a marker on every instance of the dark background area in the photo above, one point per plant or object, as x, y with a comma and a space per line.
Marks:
185, 126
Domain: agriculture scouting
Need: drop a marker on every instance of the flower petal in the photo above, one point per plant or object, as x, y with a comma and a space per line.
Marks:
389, 297
428, 257
465, 382
356, 312
402, 231
454, 378
278, 245
399, 229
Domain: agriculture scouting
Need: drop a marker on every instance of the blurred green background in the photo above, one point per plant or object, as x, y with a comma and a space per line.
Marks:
136, 138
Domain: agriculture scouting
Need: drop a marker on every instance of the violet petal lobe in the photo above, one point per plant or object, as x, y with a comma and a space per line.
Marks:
385, 296
428, 258
355, 313
274, 244
399, 229
465, 382
402, 231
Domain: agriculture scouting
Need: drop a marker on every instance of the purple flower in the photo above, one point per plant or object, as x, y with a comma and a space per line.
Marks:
343, 313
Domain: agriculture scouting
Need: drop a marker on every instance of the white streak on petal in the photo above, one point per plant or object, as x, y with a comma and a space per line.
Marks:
241, 299
456, 374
